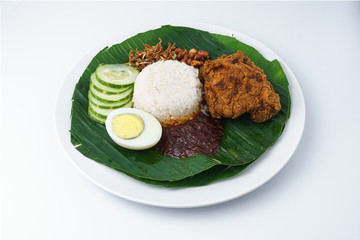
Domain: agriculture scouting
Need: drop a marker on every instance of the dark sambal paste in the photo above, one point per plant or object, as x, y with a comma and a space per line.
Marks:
199, 135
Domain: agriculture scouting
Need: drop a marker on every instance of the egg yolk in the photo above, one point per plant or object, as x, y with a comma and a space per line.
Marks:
127, 125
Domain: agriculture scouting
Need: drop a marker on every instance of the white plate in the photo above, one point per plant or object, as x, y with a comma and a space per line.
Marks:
261, 171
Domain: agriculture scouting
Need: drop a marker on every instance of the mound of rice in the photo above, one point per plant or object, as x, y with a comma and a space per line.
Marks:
168, 90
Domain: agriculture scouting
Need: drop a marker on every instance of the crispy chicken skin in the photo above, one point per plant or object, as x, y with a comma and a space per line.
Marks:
233, 85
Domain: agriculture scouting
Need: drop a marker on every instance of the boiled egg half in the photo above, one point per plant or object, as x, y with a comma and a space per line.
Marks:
133, 128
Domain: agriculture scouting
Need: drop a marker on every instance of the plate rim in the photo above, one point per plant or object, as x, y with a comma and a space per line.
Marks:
78, 69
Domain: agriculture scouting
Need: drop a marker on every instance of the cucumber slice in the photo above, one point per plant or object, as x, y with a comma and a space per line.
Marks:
116, 75
102, 97
105, 89
103, 105
94, 117
103, 113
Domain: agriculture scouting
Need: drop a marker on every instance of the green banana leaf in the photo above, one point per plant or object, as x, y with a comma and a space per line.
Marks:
242, 143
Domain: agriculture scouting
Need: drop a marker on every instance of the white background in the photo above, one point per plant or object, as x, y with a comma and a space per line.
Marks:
317, 194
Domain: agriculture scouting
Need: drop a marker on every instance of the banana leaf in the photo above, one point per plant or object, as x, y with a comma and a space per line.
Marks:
242, 143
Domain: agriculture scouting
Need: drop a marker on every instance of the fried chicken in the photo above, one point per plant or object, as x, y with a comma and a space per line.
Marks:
233, 85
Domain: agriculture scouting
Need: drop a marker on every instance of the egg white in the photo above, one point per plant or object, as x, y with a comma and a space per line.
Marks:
147, 139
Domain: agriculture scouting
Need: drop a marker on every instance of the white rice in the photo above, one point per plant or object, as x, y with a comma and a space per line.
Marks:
168, 90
